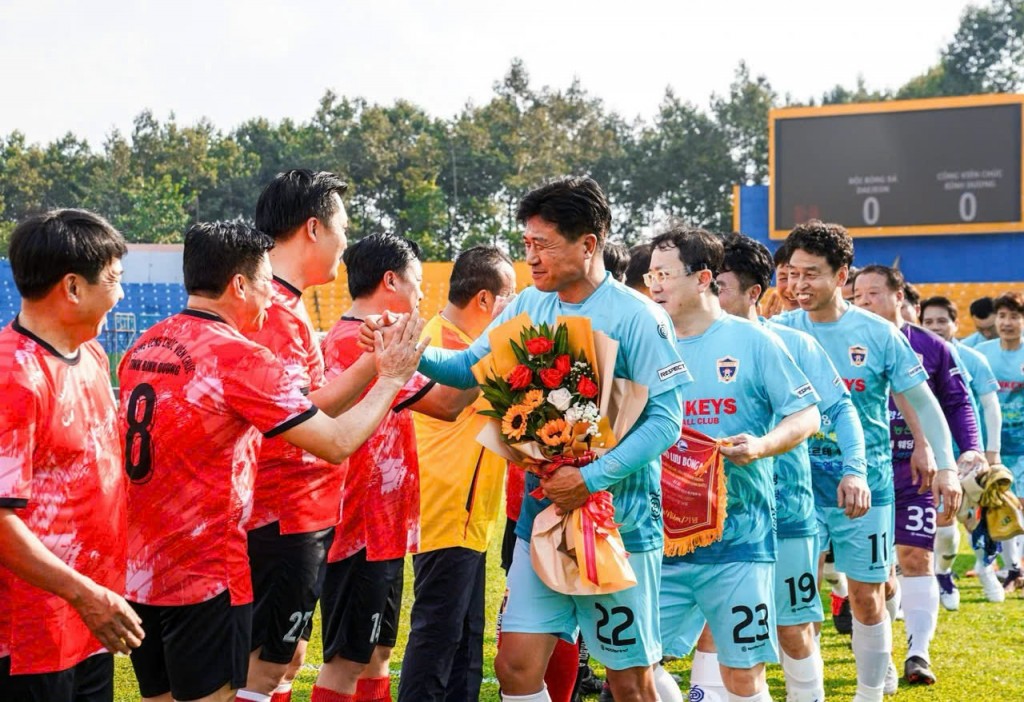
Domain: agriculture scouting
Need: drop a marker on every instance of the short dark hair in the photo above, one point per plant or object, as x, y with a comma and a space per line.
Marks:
48, 246
940, 301
294, 196
749, 260
698, 249
910, 294
1010, 300
476, 269
575, 205
371, 257
639, 263
616, 260
215, 252
781, 255
822, 239
894, 280
982, 308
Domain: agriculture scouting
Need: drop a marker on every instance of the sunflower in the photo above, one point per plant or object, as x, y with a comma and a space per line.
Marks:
513, 425
533, 399
556, 432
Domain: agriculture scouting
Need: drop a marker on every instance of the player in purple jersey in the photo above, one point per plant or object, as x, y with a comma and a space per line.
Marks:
880, 289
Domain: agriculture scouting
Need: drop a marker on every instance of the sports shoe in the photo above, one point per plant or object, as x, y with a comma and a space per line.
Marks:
842, 617
589, 683
949, 593
1013, 581
892, 680
991, 586
917, 672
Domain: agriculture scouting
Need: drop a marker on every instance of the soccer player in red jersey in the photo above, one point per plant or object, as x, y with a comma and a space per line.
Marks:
297, 499
62, 489
196, 396
362, 593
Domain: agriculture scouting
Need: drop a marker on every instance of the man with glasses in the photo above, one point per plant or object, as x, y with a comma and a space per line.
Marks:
749, 394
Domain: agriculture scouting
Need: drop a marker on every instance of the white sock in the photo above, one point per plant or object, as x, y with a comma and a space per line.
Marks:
892, 604
250, 695
872, 651
920, 612
805, 680
840, 588
1011, 552
665, 686
283, 688
707, 677
981, 561
947, 543
541, 696
761, 696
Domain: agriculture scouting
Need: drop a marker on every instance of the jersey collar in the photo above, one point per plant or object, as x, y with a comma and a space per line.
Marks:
288, 286
70, 360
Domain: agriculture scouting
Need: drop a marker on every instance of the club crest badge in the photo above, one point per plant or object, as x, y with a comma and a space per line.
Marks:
858, 355
727, 369
682, 445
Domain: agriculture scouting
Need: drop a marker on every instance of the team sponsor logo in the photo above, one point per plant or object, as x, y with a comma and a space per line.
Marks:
663, 330
804, 389
837, 381
674, 369
728, 367
858, 355
916, 370
655, 499
855, 384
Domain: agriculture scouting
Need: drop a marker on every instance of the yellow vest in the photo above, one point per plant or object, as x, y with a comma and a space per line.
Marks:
460, 482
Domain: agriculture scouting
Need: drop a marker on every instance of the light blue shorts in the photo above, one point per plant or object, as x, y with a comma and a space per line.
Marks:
621, 629
796, 582
863, 547
737, 600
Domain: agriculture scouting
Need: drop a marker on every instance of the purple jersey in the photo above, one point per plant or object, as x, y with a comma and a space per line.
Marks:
948, 385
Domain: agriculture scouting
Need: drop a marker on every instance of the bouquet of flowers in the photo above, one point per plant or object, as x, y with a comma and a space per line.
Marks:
555, 402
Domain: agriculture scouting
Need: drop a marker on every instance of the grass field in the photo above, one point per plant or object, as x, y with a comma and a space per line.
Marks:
977, 653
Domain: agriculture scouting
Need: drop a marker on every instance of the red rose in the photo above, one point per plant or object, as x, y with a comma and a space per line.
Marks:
563, 363
586, 387
539, 345
520, 377
551, 377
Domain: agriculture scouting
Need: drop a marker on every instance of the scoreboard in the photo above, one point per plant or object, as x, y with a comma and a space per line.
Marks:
938, 166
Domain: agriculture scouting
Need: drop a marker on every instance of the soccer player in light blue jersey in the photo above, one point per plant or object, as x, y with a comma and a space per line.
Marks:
873, 358
746, 274
939, 315
748, 392
882, 290
984, 319
566, 223
1006, 356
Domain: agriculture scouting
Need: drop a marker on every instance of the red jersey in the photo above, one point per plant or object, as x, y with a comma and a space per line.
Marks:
380, 503
294, 487
196, 396
515, 491
61, 472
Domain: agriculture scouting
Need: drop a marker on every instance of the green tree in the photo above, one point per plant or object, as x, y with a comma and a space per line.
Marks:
743, 117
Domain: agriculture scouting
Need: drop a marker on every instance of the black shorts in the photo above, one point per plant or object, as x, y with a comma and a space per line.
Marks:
508, 544
361, 603
192, 651
287, 579
92, 680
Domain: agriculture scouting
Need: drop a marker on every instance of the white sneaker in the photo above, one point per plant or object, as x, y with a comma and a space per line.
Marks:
892, 679
990, 585
949, 594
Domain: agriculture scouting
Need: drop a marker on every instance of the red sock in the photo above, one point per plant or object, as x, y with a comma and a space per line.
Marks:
281, 696
563, 666
373, 690
322, 694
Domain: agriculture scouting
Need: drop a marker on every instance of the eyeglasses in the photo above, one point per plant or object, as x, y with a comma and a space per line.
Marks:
662, 274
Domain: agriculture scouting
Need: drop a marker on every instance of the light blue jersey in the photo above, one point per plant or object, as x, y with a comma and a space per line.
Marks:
1008, 368
872, 356
974, 340
794, 496
979, 377
744, 381
647, 356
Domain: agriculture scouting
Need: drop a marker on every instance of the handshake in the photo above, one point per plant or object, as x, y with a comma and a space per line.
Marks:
394, 339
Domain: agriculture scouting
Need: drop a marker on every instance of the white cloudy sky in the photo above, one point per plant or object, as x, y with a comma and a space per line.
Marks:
90, 66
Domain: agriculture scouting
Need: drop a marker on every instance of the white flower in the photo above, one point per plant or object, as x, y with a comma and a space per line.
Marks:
583, 412
560, 398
